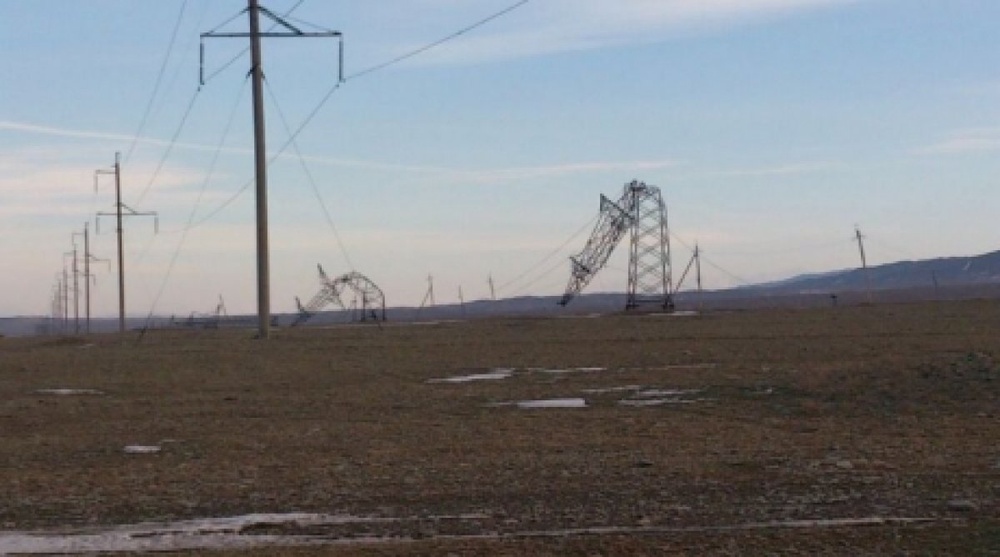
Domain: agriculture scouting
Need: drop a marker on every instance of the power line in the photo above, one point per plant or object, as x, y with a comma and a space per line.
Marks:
194, 209
309, 177
439, 42
549, 256
377, 67
159, 80
170, 146
326, 97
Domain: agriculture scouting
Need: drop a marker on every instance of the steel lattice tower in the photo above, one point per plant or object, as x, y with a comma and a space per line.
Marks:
649, 273
641, 212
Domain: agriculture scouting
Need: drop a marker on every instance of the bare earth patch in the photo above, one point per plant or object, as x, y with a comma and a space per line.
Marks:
860, 431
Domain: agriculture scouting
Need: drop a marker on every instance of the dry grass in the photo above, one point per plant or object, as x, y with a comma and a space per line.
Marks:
858, 412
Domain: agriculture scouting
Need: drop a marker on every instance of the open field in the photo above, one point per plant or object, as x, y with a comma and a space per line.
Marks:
866, 430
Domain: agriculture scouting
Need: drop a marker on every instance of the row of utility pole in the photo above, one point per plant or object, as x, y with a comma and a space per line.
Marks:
60, 304
68, 281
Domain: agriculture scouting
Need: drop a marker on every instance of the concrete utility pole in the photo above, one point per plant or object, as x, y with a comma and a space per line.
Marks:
260, 171
697, 266
87, 276
493, 292
260, 153
76, 289
65, 293
118, 214
86, 273
864, 262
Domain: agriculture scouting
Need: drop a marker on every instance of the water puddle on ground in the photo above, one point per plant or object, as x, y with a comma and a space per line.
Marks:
568, 370
142, 449
211, 533
606, 390
499, 373
543, 403
69, 392
659, 397
495, 375
653, 401
248, 531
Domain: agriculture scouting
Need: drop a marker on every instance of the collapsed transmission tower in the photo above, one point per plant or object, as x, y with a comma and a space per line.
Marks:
372, 301
641, 212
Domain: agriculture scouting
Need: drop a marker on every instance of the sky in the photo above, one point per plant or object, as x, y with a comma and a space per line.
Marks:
774, 129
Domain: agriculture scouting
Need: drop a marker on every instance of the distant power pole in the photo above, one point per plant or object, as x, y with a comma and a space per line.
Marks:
118, 214
461, 299
87, 275
864, 262
65, 293
76, 288
493, 292
260, 152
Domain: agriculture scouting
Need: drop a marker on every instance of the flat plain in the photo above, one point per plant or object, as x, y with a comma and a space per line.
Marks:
868, 430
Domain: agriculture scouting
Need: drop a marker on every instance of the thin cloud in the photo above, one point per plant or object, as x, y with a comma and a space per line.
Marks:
556, 26
962, 142
473, 175
788, 169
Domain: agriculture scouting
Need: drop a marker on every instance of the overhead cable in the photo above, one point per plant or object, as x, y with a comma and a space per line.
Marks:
309, 177
159, 80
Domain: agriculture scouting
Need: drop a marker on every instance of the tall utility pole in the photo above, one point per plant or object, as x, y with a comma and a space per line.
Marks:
864, 262
493, 292
260, 171
118, 214
87, 276
697, 266
76, 287
65, 293
86, 273
260, 153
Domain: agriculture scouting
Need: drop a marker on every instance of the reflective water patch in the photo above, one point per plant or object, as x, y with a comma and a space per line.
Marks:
68, 392
552, 403
653, 401
495, 375
622, 389
568, 370
142, 449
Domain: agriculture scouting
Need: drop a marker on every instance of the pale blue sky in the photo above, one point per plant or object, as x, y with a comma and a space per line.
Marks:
773, 127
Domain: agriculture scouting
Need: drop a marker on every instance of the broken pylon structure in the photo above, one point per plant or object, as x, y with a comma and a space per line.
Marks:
641, 213
368, 301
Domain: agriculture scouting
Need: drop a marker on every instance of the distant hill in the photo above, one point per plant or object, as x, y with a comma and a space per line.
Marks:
933, 273
945, 278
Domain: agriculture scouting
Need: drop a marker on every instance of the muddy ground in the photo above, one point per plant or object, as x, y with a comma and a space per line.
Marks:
843, 431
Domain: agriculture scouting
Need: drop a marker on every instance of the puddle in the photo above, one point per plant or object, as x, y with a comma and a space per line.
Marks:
707, 365
544, 403
238, 532
622, 389
552, 403
654, 393
500, 373
211, 533
495, 375
654, 401
142, 449
69, 392
568, 370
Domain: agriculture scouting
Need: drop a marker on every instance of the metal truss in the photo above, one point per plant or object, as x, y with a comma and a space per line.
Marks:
641, 212
368, 302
